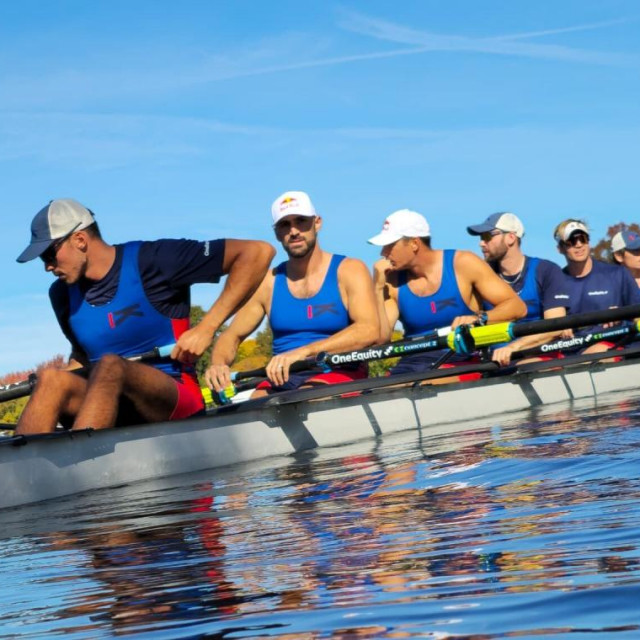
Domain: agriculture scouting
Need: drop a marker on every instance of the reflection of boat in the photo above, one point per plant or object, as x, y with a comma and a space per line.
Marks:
45, 466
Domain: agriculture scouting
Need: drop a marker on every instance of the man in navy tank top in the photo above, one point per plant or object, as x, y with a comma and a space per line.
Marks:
315, 301
428, 288
114, 302
593, 285
540, 283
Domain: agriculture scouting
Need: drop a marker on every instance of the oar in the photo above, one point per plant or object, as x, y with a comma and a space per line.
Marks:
321, 362
615, 333
478, 336
24, 387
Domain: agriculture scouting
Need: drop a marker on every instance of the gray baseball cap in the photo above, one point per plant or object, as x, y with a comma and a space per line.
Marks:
57, 220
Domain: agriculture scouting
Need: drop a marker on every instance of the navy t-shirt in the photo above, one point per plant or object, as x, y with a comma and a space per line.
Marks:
167, 268
605, 286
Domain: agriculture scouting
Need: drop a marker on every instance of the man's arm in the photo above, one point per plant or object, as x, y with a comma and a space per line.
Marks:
354, 279
245, 263
388, 312
247, 320
476, 274
503, 354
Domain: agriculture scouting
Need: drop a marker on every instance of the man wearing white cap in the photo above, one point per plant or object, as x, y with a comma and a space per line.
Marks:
428, 288
593, 285
540, 283
625, 249
315, 301
117, 301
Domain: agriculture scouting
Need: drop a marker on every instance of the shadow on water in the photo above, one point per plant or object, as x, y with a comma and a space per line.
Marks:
513, 528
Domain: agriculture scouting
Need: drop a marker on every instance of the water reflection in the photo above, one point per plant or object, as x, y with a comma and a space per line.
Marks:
451, 536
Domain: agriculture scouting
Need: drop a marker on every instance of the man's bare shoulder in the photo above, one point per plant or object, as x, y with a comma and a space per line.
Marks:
353, 268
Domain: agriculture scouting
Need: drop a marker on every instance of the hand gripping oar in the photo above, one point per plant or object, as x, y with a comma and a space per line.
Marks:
25, 387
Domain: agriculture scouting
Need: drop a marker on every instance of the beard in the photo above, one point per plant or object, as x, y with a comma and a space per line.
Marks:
497, 253
301, 250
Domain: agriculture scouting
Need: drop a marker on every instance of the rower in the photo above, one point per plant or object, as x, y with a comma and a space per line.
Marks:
625, 250
428, 288
593, 285
315, 302
540, 283
116, 301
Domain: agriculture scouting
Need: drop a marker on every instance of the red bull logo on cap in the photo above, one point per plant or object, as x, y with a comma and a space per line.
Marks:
286, 203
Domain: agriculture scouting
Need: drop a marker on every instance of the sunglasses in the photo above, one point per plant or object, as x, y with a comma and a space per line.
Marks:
487, 235
302, 223
582, 238
49, 256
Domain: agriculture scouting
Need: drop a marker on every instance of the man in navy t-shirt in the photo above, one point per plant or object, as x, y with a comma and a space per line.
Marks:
114, 302
540, 283
593, 285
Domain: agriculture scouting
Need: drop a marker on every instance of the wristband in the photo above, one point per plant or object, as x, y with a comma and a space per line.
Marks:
482, 319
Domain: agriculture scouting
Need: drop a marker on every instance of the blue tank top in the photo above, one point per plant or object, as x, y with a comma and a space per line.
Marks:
128, 325
296, 322
421, 314
527, 291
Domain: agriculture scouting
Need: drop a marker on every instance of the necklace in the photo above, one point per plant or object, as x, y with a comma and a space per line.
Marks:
511, 280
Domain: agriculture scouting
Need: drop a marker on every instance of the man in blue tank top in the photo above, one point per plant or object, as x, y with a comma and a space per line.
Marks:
117, 301
540, 283
593, 285
427, 288
315, 302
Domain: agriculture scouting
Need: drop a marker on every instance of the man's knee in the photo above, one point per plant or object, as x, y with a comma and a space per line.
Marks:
53, 379
110, 365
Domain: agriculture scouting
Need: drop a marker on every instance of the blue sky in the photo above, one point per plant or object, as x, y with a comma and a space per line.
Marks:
187, 119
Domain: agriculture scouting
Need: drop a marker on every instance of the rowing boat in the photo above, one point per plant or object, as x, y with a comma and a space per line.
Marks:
41, 467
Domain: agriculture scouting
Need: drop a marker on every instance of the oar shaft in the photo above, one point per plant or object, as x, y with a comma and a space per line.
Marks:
24, 387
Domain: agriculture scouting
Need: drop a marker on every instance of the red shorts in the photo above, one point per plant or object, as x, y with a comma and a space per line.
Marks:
190, 400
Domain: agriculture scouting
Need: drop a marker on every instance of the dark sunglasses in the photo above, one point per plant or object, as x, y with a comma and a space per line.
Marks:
573, 240
487, 235
49, 256
302, 223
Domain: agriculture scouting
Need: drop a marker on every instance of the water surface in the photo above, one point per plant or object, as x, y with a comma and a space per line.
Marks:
524, 526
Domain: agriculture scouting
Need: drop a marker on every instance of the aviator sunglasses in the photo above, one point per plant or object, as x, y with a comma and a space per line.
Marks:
49, 256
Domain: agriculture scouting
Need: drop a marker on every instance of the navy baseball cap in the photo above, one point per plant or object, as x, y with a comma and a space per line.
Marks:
625, 239
57, 220
503, 221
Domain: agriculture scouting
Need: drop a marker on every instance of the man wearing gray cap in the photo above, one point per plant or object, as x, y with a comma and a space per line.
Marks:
540, 283
117, 301
315, 301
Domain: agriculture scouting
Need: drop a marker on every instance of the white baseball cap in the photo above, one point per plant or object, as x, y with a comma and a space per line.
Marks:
571, 227
502, 221
401, 224
292, 203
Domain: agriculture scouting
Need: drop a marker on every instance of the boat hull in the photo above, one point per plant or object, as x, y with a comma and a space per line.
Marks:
38, 468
